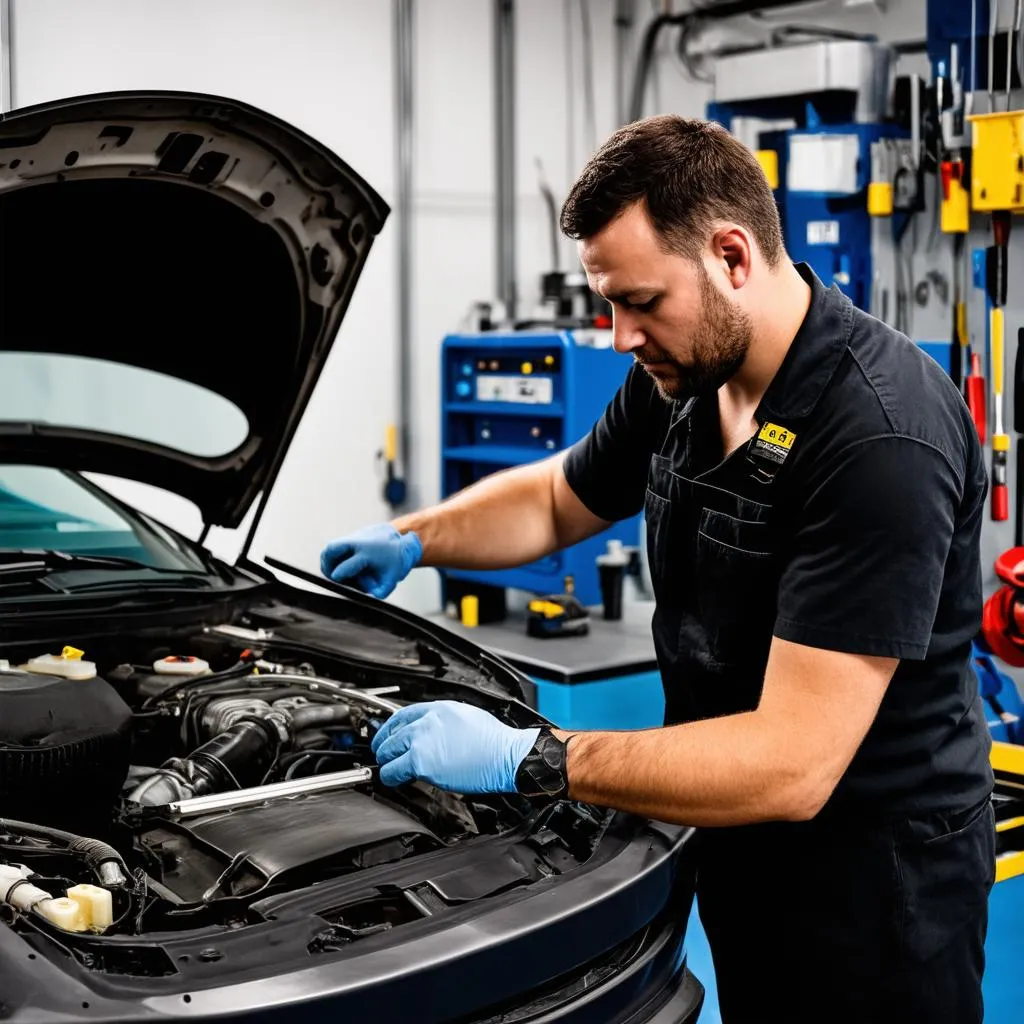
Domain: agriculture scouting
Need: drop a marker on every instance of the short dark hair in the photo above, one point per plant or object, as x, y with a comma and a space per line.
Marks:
687, 172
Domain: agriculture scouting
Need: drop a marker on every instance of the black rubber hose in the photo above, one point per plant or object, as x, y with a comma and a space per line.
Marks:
236, 671
320, 716
643, 63
95, 852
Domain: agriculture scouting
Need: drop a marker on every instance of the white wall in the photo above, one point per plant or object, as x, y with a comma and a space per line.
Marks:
326, 65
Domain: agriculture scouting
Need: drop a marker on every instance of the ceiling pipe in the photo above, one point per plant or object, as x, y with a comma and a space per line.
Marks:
396, 485
625, 16
717, 12
505, 152
6, 59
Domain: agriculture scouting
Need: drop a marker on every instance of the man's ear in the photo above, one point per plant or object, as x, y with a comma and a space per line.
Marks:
733, 250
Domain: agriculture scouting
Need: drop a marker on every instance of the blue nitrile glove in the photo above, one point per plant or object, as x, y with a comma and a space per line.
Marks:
454, 746
376, 559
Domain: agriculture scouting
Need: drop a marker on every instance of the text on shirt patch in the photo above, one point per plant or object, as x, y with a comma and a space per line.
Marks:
774, 442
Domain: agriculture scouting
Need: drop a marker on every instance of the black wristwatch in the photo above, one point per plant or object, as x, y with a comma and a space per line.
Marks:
542, 773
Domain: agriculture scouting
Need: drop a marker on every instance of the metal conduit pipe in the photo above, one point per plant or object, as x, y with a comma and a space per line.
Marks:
718, 12
505, 152
404, 35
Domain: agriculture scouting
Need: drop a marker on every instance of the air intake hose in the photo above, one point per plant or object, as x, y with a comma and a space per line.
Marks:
107, 864
236, 758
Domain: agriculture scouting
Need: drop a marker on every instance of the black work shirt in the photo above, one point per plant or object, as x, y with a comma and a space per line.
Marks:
866, 540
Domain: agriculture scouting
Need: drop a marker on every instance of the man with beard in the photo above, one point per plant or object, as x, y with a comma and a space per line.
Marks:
814, 490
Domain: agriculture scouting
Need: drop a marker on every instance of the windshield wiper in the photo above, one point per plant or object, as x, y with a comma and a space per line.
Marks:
43, 559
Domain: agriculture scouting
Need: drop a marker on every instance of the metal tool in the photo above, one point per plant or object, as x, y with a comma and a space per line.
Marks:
969, 101
995, 285
993, 18
961, 356
277, 790
1010, 36
557, 615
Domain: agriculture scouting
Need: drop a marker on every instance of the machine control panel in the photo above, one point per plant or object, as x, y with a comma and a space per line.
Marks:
492, 387
524, 377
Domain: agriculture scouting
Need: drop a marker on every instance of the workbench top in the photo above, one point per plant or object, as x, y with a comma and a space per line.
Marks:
610, 649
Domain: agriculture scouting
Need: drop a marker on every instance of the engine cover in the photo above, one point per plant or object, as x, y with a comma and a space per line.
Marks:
265, 844
64, 748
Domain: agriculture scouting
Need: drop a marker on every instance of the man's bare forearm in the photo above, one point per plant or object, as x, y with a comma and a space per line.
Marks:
504, 520
724, 771
781, 762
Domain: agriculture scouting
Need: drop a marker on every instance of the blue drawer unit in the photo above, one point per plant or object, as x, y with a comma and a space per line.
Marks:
513, 398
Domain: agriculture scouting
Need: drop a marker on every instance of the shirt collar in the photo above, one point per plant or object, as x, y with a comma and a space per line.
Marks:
813, 354
811, 360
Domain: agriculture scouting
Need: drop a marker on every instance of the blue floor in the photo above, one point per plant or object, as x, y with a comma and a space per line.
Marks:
1004, 978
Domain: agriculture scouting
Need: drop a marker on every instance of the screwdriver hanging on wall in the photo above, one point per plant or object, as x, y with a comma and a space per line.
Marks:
995, 286
394, 486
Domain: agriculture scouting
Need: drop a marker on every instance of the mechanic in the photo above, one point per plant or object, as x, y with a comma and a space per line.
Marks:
814, 491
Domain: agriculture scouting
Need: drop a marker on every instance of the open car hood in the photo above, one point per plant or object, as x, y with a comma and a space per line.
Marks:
173, 270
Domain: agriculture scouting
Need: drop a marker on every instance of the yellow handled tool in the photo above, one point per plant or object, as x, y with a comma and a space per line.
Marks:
995, 282
394, 486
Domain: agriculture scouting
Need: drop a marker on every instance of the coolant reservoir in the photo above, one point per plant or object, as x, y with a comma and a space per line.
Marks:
64, 912
68, 663
174, 665
95, 906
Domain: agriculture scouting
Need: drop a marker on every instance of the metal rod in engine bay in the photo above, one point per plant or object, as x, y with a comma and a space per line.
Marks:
355, 695
260, 794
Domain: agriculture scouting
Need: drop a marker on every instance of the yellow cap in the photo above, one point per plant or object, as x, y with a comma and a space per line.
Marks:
549, 360
1000, 442
527, 367
470, 610
71, 653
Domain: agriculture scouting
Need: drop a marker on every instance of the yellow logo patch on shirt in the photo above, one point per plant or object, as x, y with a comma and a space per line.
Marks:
774, 442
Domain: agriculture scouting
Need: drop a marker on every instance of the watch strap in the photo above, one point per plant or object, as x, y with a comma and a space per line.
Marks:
542, 773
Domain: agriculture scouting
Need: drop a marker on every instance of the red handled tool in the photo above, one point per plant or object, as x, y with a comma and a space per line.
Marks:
974, 392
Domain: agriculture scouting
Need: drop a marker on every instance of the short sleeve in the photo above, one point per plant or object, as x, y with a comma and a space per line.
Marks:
607, 468
866, 569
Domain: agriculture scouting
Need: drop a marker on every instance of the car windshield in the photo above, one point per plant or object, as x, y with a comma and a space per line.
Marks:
49, 509
99, 395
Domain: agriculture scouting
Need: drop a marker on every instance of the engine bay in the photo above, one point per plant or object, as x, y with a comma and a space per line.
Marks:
157, 786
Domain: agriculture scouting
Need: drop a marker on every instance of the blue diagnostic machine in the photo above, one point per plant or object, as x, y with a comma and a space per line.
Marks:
511, 398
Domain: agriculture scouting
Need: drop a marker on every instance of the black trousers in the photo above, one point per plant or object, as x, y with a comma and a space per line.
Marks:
849, 924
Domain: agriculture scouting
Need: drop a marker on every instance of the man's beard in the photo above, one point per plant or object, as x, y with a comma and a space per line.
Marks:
718, 347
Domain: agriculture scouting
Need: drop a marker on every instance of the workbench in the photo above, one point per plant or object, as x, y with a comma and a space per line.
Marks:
608, 679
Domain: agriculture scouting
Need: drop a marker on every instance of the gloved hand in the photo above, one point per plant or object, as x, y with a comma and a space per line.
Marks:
454, 746
376, 558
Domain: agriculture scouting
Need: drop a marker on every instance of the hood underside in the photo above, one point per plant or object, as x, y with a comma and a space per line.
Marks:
173, 270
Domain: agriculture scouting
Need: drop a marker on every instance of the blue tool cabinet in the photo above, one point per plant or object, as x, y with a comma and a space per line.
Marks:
510, 398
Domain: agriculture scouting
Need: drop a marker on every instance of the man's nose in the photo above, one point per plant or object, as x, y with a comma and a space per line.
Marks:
626, 333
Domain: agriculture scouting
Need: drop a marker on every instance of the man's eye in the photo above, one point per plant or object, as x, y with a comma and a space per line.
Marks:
648, 306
